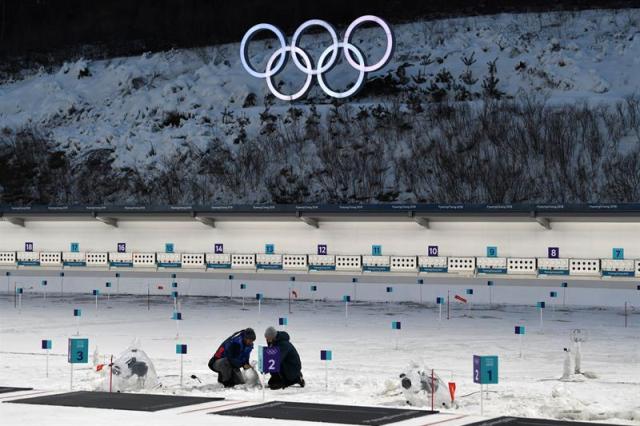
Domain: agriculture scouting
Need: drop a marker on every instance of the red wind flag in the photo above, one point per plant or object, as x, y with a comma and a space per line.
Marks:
460, 299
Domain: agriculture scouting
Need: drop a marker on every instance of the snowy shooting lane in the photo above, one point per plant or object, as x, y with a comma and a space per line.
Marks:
365, 365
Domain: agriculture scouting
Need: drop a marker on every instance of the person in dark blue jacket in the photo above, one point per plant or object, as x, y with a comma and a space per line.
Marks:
232, 355
290, 364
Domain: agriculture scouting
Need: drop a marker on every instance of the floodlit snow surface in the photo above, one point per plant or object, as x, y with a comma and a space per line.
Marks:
365, 366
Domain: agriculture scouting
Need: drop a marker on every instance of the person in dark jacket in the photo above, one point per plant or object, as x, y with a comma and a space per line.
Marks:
290, 365
232, 355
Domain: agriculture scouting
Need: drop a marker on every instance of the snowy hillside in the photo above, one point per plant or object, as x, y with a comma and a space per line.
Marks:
544, 103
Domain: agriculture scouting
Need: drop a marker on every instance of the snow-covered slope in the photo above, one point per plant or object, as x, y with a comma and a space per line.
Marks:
148, 112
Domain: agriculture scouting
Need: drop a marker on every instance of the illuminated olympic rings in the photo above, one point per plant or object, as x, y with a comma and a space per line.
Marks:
327, 60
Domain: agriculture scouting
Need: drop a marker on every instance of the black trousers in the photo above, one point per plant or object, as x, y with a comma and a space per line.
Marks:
227, 374
278, 381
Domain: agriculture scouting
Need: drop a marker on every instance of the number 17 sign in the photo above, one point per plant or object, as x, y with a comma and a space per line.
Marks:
269, 359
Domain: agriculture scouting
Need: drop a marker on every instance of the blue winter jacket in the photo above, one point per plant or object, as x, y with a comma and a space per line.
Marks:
234, 349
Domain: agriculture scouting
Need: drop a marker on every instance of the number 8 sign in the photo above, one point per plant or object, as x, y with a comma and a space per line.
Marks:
553, 252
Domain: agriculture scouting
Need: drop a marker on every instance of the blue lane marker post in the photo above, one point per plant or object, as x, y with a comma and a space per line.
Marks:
108, 287
354, 280
440, 302
174, 296
19, 292
553, 295
389, 291
259, 297
61, 283
346, 299
469, 293
283, 321
243, 288
326, 356
541, 306
96, 293
231, 277
565, 286
43, 283
313, 288
77, 313
117, 282
420, 283
397, 326
181, 349
177, 317
490, 284
46, 345
519, 330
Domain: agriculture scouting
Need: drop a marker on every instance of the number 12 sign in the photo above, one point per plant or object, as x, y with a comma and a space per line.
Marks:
269, 359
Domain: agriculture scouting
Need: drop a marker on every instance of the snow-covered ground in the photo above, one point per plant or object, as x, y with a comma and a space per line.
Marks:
150, 106
366, 363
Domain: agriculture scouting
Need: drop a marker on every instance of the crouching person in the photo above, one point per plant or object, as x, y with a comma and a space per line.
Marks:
232, 355
290, 365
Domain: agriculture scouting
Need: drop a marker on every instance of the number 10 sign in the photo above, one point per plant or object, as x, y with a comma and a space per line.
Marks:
269, 360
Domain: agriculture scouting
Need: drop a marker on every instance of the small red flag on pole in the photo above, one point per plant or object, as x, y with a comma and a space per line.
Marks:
460, 298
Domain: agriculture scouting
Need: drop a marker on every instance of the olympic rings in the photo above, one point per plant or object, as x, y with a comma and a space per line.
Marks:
277, 61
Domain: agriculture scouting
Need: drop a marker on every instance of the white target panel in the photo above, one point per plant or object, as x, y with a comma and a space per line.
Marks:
461, 264
50, 258
192, 260
521, 265
7, 257
294, 262
243, 261
144, 260
588, 267
348, 263
96, 258
404, 263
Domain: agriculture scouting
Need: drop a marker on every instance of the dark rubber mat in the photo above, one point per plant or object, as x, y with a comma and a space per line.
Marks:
344, 414
6, 389
116, 401
521, 421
